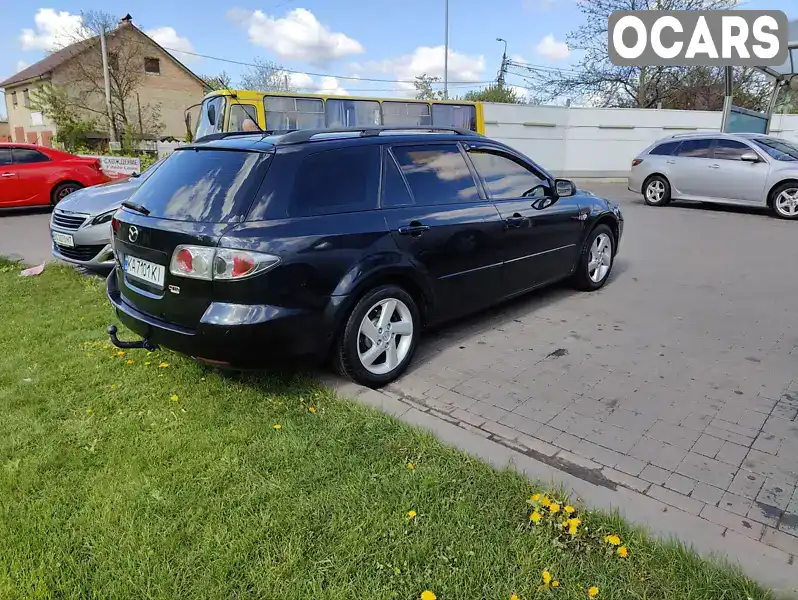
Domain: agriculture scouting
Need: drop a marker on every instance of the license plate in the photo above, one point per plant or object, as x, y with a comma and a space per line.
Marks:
144, 270
63, 239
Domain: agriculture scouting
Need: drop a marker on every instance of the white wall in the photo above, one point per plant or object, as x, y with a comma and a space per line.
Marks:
598, 142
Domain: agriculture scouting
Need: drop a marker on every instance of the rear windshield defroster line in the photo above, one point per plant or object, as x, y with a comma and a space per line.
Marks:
203, 185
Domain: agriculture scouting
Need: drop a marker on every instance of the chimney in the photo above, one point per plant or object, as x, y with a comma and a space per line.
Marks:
126, 20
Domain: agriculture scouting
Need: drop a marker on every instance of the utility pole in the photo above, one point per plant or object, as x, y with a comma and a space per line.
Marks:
107, 78
446, 52
503, 68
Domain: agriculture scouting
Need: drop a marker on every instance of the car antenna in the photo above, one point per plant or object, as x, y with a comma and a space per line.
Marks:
254, 119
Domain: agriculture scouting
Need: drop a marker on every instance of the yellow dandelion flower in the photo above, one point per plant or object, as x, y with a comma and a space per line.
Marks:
555, 583
613, 540
411, 466
570, 509
120, 353
544, 501
593, 592
278, 426
546, 577
175, 398
312, 409
514, 597
411, 515
535, 517
622, 551
427, 595
130, 362
163, 365
535, 497
554, 507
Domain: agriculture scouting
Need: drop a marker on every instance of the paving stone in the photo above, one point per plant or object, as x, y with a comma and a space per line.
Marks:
781, 540
707, 470
681, 484
767, 442
452, 398
776, 493
781, 427
626, 480
468, 417
472, 429
531, 409
577, 460
500, 430
732, 453
708, 445
672, 498
537, 446
772, 466
676, 435
707, 493
548, 434
614, 438
729, 436
630, 420
747, 484
630, 465
488, 411
765, 514
655, 475
521, 423
742, 525
567, 441
789, 523
738, 505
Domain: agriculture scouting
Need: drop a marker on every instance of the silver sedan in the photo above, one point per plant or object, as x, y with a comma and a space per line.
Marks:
80, 225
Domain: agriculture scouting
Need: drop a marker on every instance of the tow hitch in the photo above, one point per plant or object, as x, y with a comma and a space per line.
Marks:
145, 344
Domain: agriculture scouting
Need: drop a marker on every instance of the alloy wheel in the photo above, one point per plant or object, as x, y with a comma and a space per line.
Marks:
600, 258
385, 336
655, 192
787, 202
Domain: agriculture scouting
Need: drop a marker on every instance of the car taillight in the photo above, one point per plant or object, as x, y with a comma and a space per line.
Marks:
636, 162
114, 225
210, 264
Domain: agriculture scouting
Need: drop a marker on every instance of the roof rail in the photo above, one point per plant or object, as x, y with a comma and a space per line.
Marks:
305, 135
226, 134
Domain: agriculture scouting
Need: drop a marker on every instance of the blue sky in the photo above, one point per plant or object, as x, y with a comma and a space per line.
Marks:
336, 41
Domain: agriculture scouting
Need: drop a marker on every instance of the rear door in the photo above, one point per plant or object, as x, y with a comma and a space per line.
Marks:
738, 181
9, 181
34, 174
192, 199
691, 174
541, 232
439, 217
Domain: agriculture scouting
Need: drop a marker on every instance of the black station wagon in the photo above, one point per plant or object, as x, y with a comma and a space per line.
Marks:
241, 250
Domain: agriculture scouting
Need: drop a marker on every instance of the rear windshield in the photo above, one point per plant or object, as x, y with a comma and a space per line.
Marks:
211, 186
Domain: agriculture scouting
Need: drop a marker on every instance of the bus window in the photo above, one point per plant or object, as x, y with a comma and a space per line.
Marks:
352, 113
463, 116
289, 113
240, 113
211, 117
406, 113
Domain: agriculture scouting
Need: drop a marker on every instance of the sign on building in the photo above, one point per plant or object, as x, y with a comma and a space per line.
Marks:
117, 166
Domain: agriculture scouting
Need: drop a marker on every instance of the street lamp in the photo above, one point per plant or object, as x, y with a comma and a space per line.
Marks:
504, 62
446, 51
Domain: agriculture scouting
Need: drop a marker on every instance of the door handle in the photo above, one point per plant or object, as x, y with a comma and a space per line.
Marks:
415, 229
6, 175
515, 221
670, 162
714, 166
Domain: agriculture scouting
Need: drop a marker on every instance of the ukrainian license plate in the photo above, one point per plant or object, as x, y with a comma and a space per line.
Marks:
63, 239
144, 270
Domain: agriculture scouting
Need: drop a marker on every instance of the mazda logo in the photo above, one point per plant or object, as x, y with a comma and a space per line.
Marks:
133, 234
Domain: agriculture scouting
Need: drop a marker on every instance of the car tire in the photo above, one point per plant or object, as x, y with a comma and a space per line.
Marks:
62, 190
595, 263
353, 355
657, 191
785, 201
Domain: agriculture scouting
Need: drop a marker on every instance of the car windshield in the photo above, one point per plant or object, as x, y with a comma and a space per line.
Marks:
778, 149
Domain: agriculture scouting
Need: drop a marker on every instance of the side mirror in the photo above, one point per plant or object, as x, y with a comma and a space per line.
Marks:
564, 188
750, 157
212, 114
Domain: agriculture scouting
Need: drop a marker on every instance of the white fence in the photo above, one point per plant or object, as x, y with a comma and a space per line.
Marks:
598, 142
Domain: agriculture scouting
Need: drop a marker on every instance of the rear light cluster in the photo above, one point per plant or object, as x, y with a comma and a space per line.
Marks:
210, 264
636, 162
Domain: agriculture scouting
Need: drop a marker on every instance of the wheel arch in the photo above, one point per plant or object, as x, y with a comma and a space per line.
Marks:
650, 176
61, 182
772, 191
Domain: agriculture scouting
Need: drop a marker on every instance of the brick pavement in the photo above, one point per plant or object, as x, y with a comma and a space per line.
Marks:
677, 380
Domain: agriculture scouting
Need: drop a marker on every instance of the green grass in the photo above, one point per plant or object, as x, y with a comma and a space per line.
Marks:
110, 487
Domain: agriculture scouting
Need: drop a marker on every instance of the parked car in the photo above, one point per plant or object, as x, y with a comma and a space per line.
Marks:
33, 175
345, 244
746, 169
80, 225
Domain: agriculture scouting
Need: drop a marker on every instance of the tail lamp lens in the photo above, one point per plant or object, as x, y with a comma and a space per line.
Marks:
636, 162
200, 262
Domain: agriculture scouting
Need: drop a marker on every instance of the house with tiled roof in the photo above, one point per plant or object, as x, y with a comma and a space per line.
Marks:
165, 87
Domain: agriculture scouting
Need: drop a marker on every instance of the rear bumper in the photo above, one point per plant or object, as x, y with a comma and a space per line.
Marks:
232, 335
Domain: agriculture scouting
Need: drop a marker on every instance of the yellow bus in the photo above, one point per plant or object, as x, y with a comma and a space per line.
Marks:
277, 112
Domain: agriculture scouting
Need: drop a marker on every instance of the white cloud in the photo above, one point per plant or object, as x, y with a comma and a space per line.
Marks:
297, 36
53, 29
552, 49
429, 60
326, 85
168, 38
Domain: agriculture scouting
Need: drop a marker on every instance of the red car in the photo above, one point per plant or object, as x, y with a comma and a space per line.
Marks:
33, 175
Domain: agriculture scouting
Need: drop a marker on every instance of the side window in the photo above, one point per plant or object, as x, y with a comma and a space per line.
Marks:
665, 149
336, 181
730, 149
239, 114
506, 178
394, 188
24, 156
352, 113
437, 174
406, 113
455, 115
695, 148
5, 156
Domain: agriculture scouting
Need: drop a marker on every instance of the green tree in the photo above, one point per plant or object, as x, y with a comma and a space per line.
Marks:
55, 103
424, 90
222, 81
494, 93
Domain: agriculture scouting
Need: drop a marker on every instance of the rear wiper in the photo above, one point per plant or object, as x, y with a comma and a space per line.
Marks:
136, 207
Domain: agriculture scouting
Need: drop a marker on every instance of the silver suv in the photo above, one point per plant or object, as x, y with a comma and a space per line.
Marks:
743, 169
